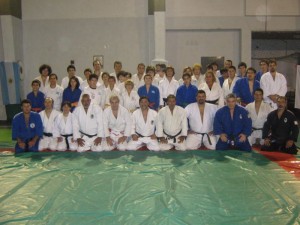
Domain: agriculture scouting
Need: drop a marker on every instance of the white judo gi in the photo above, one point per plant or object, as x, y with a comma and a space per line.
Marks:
167, 88
215, 93
109, 93
116, 127
198, 81
272, 87
201, 128
226, 89
88, 126
56, 94
97, 95
258, 120
48, 140
130, 101
42, 87
137, 82
145, 129
172, 126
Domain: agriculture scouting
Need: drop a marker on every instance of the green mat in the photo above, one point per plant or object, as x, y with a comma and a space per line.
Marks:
195, 187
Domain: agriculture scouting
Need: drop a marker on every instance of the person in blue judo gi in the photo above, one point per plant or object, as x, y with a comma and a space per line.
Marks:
186, 93
150, 91
233, 125
36, 97
27, 129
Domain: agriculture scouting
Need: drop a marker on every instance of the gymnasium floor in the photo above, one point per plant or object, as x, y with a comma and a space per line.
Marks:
192, 187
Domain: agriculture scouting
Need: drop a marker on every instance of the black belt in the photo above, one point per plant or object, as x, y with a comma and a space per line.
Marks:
48, 134
212, 101
138, 134
254, 129
88, 135
209, 141
172, 136
66, 139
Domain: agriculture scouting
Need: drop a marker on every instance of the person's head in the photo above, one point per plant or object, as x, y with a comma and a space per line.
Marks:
97, 65
144, 102
114, 102
93, 80
171, 101
66, 107
141, 69
129, 85
128, 76
242, 68
157, 68
251, 72
224, 73
48, 103
117, 66
162, 70
150, 70
53, 79
26, 106
71, 70
85, 101
210, 77
35, 84
282, 102
105, 77
231, 72
201, 97
111, 81
148, 79
197, 69
227, 63
188, 70
74, 83
186, 77
170, 72
272, 65
264, 65
210, 68
214, 66
87, 72
231, 101
121, 76
258, 95
45, 70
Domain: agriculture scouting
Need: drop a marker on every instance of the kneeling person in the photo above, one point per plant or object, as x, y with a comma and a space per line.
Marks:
117, 125
171, 127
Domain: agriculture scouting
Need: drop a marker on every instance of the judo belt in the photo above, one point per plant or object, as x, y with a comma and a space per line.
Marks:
212, 101
48, 134
138, 134
172, 136
254, 129
66, 139
208, 138
88, 135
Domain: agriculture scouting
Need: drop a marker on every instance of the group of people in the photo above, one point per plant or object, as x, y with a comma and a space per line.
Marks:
219, 110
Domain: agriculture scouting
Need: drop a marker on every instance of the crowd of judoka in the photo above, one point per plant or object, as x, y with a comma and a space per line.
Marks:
219, 110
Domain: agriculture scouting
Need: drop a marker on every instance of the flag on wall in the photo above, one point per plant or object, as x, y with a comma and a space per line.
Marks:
297, 93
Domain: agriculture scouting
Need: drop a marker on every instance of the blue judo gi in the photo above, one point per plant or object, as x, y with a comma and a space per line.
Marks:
153, 96
241, 90
19, 130
71, 96
186, 95
240, 124
37, 102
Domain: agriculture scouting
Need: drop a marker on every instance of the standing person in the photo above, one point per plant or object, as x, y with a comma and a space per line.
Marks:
138, 78
242, 67
63, 129
233, 124
48, 116
117, 125
151, 92
121, 77
88, 125
97, 69
71, 73
168, 86
258, 111
264, 67
143, 127
227, 63
36, 97
111, 90
72, 93
224, 76
229, 83
87, 72
54, 91
197, 77
244, 88
45, 70
187, 92
274, 84
27, 129
201, 116
171, 126
213, 91
160, 74
188, 70
280, 131
117, 68
129, 98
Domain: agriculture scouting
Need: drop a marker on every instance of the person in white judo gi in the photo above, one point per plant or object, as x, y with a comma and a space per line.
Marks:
201, 117
63, 129
88, 125
117, 125
171, 126
48, 116
143, 127
54, 91
130, 98
258, 111
229, 83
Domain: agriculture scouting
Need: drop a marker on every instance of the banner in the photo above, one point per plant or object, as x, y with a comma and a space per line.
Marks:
297, 92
